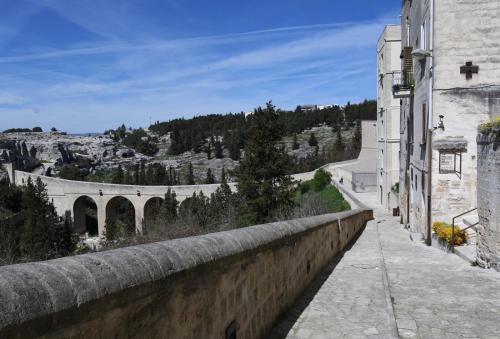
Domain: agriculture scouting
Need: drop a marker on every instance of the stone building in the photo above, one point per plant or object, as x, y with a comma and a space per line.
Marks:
449, 84
388, 108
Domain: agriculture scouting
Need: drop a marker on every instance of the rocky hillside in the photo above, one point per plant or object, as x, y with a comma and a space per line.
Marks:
42, 152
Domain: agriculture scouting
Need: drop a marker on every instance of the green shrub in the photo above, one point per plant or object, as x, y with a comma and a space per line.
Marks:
489, 126
321, 179
304, 187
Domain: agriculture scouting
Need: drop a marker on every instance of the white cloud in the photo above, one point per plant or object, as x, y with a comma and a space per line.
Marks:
11, 98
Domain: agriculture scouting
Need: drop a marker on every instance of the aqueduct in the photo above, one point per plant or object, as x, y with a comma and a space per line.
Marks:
74, 196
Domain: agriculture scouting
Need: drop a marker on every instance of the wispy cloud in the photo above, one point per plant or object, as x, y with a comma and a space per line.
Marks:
123, 81
11, 98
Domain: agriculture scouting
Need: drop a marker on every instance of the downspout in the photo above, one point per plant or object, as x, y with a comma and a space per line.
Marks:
430, 125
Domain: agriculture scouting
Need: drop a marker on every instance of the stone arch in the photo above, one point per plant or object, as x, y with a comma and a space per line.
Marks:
151, 213
120, 218
85, 216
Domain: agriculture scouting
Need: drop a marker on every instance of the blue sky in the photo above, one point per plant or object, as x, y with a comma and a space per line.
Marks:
89, 65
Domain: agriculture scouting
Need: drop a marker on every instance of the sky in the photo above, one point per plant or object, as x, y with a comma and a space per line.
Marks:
89, 65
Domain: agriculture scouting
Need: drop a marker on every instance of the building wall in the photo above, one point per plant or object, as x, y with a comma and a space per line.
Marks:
388, 108
185, 288
419, 16
406, 109
360, 174
488, 200
465, 30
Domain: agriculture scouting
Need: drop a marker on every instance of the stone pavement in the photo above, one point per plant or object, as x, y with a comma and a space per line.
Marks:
388, 286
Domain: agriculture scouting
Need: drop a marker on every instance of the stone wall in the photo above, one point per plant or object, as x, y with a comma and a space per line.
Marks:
488, 198
197, 287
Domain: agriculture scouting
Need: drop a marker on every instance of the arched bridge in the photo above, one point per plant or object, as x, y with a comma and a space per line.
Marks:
68, 196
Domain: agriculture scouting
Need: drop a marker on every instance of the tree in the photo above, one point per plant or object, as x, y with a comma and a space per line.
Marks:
37, 129
223, 179
262, 174
295, 144
218, 150
313, 142
190, 174
210, 177
339, 145
356, 141
44, 234
71, 172
208, 150
169, 206
117, 176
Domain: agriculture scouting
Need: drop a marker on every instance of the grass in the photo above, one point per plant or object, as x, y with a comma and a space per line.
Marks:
330, 195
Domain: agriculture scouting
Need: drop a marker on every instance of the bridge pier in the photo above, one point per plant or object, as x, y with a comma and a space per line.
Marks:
139, 217
101, 219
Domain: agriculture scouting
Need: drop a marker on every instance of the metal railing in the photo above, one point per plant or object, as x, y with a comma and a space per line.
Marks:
402, 81
463, 230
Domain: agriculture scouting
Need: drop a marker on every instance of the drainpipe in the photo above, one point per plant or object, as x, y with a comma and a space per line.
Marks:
428, 240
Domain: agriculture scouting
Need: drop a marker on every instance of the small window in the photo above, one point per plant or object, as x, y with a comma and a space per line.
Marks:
424, 124
450, 162
423, 184
423, 39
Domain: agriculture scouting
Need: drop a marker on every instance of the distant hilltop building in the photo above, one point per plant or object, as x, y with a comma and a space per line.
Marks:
311, 108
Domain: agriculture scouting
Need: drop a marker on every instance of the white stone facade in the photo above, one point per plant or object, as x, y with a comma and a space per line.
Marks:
388, 110
444, 35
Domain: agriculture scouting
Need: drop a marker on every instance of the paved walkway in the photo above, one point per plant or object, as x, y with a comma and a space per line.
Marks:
388, 286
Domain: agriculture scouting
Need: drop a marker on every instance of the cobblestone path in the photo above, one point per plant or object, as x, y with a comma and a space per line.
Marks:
388, 286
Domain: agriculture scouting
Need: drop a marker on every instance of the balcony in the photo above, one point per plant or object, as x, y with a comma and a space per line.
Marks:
402, 84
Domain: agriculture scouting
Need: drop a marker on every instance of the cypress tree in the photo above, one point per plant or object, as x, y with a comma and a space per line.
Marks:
262, 174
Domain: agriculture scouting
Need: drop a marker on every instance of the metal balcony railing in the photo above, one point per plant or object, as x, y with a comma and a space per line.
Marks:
402, 81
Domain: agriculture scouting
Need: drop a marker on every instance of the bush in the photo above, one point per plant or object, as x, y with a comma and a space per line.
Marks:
304, 187
489, 126
321, 179
444, 232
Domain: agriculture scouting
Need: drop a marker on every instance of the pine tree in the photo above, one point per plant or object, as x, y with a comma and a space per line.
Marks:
357, 136
313, 142
295, 144
210, 177
208, 150
117, 176
223, 179
219, 154
190, 174
262, 174
142, 174
169, 207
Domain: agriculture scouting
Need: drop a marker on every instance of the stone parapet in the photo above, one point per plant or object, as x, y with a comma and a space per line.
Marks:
198, 287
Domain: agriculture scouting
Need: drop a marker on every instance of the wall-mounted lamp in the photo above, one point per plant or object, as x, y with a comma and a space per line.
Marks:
100, 193
440, 124
138, 193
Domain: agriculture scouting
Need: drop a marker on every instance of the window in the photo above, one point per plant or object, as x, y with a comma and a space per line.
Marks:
423, 39
424, 124
408, 31
450, 162
423, 184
